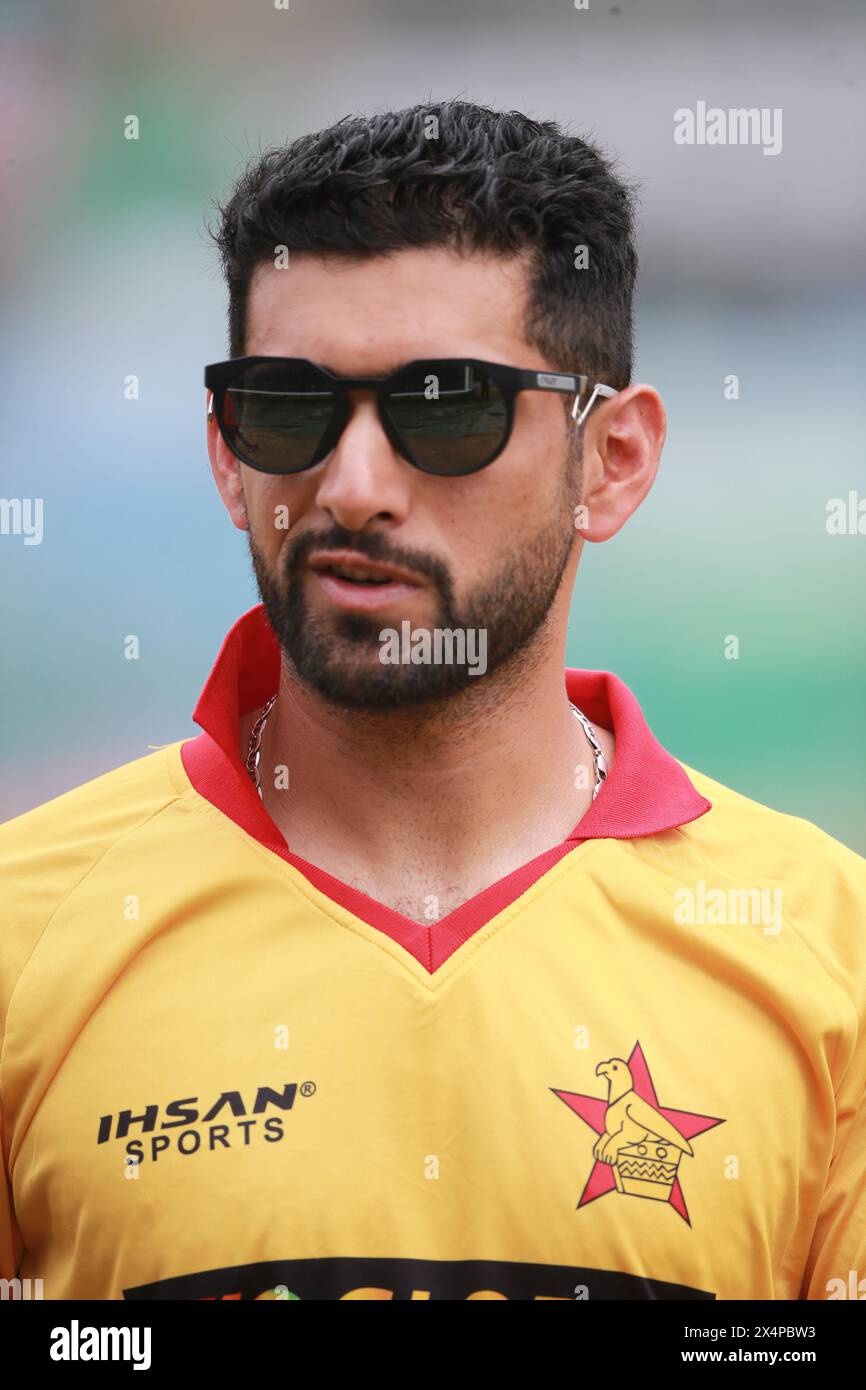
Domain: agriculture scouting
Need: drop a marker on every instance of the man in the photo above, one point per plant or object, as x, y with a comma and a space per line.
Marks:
424, 971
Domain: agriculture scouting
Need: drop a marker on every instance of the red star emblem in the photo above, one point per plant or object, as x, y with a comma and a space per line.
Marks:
593, 1112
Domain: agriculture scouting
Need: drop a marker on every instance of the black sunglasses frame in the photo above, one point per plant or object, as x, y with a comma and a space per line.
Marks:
218, 377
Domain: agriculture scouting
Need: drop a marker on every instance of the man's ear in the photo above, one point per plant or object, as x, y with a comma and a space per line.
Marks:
226, 470
622, 445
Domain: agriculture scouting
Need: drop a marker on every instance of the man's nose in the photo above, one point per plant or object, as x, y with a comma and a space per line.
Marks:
364, 476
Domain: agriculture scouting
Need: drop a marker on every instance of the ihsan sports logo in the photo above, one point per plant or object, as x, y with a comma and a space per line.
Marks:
187, 1126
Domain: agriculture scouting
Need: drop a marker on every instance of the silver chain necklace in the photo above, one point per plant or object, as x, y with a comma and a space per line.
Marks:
254, 751
598, 758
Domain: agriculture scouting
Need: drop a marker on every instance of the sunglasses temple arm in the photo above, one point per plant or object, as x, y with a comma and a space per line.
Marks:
597, 390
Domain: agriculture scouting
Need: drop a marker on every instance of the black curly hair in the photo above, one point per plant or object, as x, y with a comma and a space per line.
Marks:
459, 175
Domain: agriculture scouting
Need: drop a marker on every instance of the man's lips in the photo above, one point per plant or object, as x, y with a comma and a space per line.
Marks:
353, 559
388, 583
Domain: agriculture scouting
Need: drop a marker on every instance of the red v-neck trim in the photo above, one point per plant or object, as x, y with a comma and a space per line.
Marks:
646, 792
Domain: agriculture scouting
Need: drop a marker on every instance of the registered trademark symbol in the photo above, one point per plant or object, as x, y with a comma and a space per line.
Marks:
308, 1088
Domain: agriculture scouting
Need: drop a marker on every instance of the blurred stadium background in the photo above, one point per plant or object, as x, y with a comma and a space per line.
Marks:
751, 264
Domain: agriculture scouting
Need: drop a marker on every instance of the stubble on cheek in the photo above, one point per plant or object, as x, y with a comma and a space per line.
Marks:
339, 653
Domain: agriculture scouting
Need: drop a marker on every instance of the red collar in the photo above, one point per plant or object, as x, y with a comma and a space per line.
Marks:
646, 792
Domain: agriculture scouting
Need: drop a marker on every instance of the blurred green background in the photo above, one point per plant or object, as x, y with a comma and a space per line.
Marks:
751, 264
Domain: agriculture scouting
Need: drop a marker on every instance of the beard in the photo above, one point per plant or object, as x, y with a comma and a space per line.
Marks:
337, 654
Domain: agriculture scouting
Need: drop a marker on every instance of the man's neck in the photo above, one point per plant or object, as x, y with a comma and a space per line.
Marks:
420, 808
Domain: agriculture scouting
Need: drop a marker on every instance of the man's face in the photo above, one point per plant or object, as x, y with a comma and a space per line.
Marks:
487, 551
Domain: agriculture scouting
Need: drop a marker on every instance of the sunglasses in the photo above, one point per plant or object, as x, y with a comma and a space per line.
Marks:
445, 415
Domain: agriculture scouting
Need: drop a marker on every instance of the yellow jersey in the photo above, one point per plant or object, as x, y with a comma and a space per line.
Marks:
632, 1069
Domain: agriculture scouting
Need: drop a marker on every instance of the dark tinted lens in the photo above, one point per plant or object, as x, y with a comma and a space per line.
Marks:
275, 414
452, 415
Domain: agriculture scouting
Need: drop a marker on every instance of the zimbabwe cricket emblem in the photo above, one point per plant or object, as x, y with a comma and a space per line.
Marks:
640, 1143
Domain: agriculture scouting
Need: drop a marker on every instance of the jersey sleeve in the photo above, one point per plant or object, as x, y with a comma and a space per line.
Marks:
836, 1263
11, 1245
839, 1243
28, 897
44, 854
